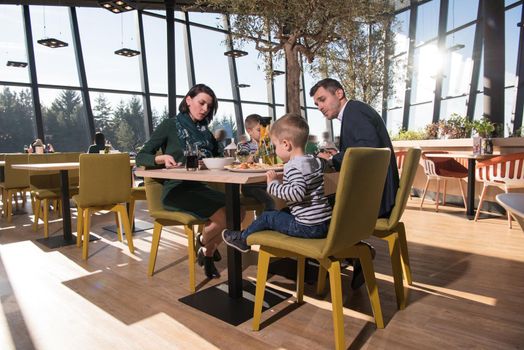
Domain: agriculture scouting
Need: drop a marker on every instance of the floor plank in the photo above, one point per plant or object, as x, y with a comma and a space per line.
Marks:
468, 293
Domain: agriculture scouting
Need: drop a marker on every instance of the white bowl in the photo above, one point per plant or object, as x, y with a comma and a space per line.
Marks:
218, 163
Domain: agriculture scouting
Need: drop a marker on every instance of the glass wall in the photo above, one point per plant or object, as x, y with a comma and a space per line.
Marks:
115, 89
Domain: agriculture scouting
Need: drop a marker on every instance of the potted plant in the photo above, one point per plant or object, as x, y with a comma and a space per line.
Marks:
484, 128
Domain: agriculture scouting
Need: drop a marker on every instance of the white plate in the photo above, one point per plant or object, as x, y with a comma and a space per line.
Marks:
236, 170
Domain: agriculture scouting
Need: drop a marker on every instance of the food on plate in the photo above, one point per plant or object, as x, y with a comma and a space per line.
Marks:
255, 166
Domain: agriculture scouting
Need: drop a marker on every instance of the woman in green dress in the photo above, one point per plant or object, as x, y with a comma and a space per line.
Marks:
190, 127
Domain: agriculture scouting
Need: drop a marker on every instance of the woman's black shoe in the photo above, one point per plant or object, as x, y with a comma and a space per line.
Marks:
209, 268
198, 245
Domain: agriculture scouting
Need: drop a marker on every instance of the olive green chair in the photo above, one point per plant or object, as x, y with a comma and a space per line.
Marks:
104, 185
163, 218
355, 213
392, 229
45, 188
15, 180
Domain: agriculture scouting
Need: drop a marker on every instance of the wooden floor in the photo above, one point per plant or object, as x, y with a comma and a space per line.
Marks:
468, 293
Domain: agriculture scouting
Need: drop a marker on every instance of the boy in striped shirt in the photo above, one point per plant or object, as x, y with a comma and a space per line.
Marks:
302, 188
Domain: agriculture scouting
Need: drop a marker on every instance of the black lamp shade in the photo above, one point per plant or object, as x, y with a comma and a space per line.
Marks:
127, 52
16, 64
456, 47
278, 72
235, 53
243, 85
116, 6
52, 43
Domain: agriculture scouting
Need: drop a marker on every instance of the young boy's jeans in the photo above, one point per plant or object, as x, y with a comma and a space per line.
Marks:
286, 223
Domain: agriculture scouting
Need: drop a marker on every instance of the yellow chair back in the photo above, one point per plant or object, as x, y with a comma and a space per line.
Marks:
15, 178
409, 171
104, 179
360, 185
154, 188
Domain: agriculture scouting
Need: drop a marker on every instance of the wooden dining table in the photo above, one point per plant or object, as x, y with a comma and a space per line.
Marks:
472, 161
63, 168
235, 310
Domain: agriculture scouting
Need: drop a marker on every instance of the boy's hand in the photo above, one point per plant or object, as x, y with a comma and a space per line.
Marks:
271, 176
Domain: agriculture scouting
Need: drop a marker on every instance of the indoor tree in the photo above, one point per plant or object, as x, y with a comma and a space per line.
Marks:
297, 28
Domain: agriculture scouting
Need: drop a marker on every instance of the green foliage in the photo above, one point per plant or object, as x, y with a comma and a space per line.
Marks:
404, 135
17, 127
484, 127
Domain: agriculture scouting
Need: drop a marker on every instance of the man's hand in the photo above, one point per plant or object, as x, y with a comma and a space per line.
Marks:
271, 176
325, 155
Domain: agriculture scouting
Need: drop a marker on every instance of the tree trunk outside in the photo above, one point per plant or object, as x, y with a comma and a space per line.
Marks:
292, 80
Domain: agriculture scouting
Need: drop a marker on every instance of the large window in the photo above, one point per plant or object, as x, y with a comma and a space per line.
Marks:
121, 118
12, 39
17, 121
461, 12
65, 122
54, 66
102, 33
211, 66
251, 71
156, 52
458, 62
427, 21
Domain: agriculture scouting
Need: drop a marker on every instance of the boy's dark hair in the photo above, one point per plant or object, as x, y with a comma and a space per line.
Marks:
291, 127
329, 84
251, 121
100, 139
195, 90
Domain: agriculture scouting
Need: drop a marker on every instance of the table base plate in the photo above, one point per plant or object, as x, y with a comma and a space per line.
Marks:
54, 242
216, 302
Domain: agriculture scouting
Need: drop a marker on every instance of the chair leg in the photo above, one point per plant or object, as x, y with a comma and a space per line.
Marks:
87, 218
301, 264
321, 280
404, 255
157, 231
336, 303
36, 211
46, 218
9, 205
481, 200
118, 227
371, 283
394, 254
462, 192
191, 255
424, 193
507, 211
263, 265
131, 213
437, 195
79, 226
123, 219
445, 192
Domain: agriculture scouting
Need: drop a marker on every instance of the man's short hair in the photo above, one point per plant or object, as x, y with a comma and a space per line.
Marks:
291, 127
251, 121
329, 84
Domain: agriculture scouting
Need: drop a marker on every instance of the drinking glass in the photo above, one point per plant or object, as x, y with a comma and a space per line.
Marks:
191, 153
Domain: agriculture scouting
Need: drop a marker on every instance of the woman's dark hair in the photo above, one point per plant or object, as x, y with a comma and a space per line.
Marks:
100, 139
195, 90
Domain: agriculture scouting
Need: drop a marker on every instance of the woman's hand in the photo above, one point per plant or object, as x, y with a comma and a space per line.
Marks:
167, 160
271, 175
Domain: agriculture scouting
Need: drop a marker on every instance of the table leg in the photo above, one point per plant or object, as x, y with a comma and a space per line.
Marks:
67, 237
234, 257
66, 209
470, 205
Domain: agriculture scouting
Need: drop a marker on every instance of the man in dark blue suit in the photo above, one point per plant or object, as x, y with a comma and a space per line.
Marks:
361, 126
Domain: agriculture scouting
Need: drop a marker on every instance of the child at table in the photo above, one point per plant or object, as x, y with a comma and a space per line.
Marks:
256, 191
302, 188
